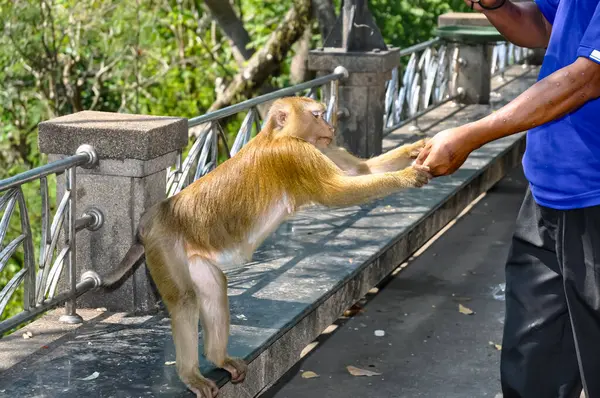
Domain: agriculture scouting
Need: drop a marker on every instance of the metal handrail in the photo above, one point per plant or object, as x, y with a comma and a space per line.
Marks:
419, 47
58, 166
82, 287
339, 73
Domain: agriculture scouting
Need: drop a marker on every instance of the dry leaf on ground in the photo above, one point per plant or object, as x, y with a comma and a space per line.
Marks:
309, 375
354, 310
496, 346
354, 371
464, 310
168, 363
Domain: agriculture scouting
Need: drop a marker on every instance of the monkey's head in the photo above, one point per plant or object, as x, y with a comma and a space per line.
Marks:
301, 117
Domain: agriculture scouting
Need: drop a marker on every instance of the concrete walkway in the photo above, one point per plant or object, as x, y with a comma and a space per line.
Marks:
429, 349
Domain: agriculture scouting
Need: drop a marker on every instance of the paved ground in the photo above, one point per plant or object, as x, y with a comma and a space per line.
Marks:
429, 349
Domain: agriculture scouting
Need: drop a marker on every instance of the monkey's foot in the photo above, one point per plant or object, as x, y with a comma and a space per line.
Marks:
237, 368
201, 386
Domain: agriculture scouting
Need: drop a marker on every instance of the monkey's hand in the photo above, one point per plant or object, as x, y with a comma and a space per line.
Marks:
413, 150
396, 159
416, 176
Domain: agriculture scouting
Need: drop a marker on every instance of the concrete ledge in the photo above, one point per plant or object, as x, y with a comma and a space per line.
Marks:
370, 62
463, 19
113, 135
300, 281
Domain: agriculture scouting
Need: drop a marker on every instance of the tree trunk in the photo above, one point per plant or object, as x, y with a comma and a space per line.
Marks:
263, 62
232, 26
299, 67
325, 13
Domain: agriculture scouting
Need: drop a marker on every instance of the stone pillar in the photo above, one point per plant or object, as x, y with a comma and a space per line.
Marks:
355, 42
134, 153
474, 73
361, 95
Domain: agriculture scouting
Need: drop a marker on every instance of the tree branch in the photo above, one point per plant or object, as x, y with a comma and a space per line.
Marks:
264, 61
232, 27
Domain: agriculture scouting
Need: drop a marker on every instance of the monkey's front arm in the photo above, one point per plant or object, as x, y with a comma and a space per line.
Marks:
394, 160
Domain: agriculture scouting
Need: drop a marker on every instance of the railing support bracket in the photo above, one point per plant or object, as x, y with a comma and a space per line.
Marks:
92, 276
92, 220
92, 154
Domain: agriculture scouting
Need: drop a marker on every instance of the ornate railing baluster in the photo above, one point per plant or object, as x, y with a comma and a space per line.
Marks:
50, 246
245, 132
424, 84
70, 315
505, 55
203, 160
40, 278
181, 174
7, 202
44, 242
313, 93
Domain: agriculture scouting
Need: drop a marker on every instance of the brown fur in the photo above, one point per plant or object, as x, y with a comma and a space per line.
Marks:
188, 237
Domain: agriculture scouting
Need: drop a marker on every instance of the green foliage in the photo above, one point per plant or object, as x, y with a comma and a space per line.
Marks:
404, 23
158, 57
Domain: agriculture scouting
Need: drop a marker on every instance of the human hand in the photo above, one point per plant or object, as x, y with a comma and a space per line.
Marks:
445, 152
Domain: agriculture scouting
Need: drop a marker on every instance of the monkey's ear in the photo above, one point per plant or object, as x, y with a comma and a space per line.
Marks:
280, 116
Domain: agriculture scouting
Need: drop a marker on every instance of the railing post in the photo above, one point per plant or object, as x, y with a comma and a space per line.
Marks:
474, 69
474, 72
356, 44
134, 152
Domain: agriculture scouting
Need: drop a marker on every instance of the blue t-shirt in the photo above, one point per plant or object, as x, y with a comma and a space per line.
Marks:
562, 159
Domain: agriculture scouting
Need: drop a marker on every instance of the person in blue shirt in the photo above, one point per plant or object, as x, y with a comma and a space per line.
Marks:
551, 342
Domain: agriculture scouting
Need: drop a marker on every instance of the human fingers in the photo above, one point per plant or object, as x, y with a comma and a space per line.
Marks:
424, 169
423, 154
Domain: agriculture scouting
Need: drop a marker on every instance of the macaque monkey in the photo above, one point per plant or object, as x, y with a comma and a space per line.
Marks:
216, 223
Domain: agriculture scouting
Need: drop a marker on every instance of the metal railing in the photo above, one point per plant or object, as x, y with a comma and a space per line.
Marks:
204, 152
429, 78
57, 251
505, 55
427, 82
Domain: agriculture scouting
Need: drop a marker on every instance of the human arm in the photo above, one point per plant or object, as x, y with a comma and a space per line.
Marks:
523, 24
550, 98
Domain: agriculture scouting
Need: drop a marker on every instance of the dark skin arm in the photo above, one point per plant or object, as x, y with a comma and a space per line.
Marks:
551, 98
520, 23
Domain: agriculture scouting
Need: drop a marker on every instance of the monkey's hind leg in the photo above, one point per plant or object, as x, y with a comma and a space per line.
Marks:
211, 285
168, 269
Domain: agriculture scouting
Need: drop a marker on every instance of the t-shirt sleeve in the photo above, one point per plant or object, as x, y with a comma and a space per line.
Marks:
548, 8
589, 47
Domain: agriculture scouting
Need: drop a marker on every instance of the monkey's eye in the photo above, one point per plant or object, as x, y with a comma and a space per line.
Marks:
317, 114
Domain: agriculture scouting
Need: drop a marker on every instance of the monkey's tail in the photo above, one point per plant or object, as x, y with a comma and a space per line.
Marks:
129, 263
